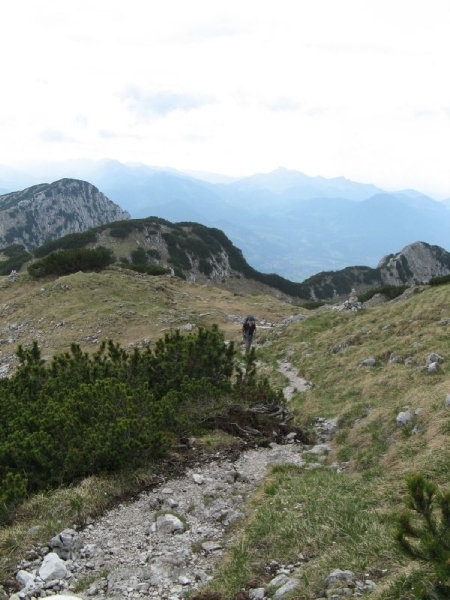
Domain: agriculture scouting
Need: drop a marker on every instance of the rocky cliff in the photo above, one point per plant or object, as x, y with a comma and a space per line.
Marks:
49, 211
416, 263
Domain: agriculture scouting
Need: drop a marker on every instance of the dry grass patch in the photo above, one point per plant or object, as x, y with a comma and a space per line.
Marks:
341, 521
308, 513
122, 305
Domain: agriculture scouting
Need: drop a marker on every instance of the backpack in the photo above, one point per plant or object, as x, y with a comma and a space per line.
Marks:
249, 324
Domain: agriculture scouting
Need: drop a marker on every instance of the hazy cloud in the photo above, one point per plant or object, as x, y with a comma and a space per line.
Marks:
423, 113
316, 111
107, 134
355, 48
214, 31
81, 121
147, 104
284, 105
54, 135
197, 139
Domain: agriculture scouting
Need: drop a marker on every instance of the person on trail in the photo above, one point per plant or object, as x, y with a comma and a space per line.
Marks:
248, 329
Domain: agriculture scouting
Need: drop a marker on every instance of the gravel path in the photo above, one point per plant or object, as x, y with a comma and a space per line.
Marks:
168, 541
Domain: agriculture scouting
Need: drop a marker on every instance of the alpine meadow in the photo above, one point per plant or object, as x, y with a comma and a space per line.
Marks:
111, 370
225, 300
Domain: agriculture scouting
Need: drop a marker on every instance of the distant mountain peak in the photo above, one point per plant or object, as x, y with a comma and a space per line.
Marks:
48, 211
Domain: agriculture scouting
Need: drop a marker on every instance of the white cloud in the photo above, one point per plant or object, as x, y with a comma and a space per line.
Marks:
149, 104
329, 88
53, 135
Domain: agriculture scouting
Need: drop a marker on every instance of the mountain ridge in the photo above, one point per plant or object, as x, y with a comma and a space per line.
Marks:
255, 210
190, 250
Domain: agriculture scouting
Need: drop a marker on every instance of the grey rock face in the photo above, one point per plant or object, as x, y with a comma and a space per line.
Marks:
416, 263
44, 212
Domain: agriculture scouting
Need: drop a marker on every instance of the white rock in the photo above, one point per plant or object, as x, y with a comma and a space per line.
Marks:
257, 594
211, 546
169, 524
287, 588
279, 581
368, 362
403, 418
65, 596
52, 567
434, 358
339, 575
25, 578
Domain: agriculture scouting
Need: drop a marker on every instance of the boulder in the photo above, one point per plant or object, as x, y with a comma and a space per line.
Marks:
368, 362
24, 578
403, 418
52, 567
287, 588
339, 576
66, 543
169, 524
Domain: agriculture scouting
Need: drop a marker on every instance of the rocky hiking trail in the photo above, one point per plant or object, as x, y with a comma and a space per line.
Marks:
169, 540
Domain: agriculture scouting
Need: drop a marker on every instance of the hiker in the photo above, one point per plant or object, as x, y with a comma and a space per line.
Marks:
248, 329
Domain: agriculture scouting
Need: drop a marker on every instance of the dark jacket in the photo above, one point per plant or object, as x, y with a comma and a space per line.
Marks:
248, 328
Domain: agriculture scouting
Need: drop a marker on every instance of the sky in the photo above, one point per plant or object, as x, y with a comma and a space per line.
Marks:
353, 88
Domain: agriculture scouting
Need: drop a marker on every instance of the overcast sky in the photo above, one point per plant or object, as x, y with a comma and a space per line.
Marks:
359, 88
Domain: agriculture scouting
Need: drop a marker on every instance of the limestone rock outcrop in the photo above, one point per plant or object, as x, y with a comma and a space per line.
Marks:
48, 211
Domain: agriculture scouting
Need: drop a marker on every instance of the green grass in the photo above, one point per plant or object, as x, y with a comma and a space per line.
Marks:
342, 520
347, 521
301, 512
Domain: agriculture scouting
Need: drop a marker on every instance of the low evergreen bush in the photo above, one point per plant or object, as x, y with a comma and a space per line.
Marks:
389, 291
68, 242
423, 532
16, 255
86, 414
439, 280
65, 262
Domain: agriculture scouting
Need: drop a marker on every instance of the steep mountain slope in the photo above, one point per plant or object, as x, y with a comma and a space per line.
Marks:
338, 510
45, 212
284, 221
206, 255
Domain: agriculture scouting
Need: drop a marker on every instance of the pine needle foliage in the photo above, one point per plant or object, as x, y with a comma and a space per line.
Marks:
424, 531
87, 414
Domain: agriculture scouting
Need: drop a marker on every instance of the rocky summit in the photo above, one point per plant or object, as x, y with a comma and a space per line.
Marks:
48, 211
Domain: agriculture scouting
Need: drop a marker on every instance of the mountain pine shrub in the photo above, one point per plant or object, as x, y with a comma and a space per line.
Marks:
389, 291
16, 256
439, 280
424, 531
85, 414
69, 261
68, 242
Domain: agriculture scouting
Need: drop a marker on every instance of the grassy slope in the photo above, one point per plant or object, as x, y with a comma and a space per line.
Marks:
347, 521
341, 521
121, 305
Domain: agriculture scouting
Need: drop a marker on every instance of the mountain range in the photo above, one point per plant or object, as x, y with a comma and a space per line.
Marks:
284, 222
74, 216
